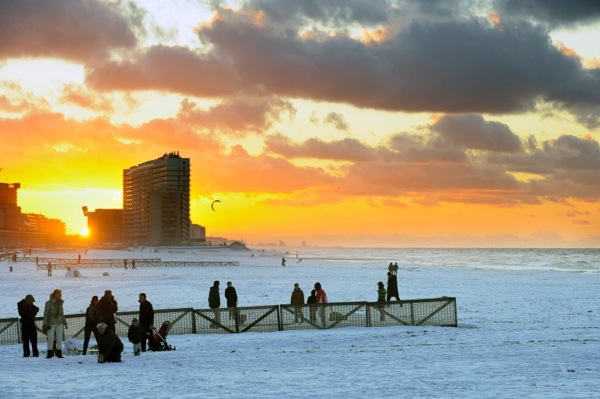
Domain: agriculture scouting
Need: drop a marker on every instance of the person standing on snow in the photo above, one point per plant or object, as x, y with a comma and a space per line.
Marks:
107, 307
297, 300
27, 311
91, 320
146, 320
214, 300
232, 299
55, 323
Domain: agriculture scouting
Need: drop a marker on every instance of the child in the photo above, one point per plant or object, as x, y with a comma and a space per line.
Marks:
135, 335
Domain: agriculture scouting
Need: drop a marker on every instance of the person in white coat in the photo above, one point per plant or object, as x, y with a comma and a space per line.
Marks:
55, 323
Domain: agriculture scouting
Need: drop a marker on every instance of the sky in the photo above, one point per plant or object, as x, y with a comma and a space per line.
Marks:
340, 122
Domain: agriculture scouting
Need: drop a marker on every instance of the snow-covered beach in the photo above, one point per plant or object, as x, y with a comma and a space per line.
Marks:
528, 327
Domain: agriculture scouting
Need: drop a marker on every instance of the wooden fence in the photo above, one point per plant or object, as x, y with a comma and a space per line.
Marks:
416, 312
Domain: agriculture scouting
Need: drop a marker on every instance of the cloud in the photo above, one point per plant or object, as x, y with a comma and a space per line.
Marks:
554, 12
238, 115
14, 99
473, 132
85, 98
337, 120
343, 150
449, 65
68, 29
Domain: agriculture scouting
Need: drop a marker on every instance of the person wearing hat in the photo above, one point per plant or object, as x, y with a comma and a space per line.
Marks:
107, 307
55, 323
27, 311
91, 320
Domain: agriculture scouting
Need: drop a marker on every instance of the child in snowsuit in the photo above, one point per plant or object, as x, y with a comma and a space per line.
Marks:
135, 335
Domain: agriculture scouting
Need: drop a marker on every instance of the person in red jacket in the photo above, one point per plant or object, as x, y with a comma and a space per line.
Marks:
321, 297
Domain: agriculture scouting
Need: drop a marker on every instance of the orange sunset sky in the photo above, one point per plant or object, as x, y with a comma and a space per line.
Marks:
353, 123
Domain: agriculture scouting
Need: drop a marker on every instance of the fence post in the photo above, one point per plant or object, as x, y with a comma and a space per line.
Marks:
368, 318
279, 322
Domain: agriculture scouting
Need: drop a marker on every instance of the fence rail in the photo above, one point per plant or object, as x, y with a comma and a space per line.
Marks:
42, 263
416, 312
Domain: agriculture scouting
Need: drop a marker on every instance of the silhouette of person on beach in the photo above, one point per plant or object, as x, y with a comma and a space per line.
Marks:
283, 262
392, 287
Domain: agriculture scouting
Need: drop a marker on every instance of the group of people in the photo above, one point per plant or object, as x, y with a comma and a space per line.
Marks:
385, 295
100, 321
317, 295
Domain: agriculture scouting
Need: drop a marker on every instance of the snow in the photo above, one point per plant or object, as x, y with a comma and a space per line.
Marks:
528, 327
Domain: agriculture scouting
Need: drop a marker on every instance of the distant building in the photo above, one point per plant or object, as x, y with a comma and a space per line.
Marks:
156, 201
197, 233
105, 226
10, 213
25, 229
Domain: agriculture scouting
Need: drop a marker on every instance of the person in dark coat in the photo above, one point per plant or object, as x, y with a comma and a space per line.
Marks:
28, 311
91, 320
392, 287
381, 293
214, 300
110, 346
232, 298
297, 299
136, 336
107, 307
146, 320
312, 300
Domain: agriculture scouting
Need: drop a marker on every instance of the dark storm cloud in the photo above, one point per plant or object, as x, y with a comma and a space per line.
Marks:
553, 12
69, 29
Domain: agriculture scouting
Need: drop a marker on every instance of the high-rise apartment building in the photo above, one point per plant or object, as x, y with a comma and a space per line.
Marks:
156, 201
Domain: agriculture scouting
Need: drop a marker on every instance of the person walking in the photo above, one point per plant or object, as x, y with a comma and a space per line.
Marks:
91, 320
55, 323
392, 287
28, 311
232, 299
297, 300
381, 293
214, 301
49, 268
146, 320
107, 307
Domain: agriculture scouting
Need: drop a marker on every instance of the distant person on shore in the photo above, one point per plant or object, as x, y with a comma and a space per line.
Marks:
107, 307
125, 263
133, 265
49, 268
232, 299
393, 268
28, 311
91, 320
312, 300
214, 301
321, 298
110, 346
297, 300
392, 287
146, 320
55, 323
381, 296
283, 261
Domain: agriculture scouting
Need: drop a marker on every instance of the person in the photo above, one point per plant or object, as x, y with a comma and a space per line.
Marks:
297, 300
78, 258
146, 320
232, 298
136, 336
321, 297
133, 265
125, 263
214, 300
283, 261
54, 323
381, 294
311, 300
49, 268
393, 268
91, 320
110, 346
392, 287
28, 311
107, 307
